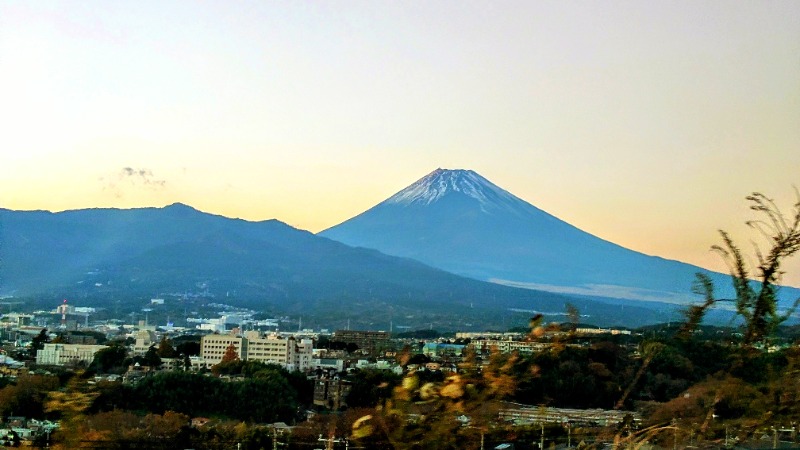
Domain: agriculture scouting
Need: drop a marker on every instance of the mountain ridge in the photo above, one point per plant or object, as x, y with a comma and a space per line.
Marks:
129, 255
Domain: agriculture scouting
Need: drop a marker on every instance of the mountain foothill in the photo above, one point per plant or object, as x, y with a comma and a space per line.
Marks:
452, 249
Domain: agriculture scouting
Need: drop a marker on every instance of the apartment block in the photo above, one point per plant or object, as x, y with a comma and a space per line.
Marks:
288, 352
368, 341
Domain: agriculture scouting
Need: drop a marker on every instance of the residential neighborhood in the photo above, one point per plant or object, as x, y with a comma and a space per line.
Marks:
336, 374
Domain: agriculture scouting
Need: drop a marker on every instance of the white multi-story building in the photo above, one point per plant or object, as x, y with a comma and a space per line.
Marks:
67, 354
271, 349
274, 349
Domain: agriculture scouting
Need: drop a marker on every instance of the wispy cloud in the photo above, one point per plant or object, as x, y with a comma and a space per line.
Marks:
129, 177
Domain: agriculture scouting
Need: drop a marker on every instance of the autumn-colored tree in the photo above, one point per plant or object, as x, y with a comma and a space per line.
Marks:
450, 414
71, 403
27, 396
118, 429
230, 354
230, 363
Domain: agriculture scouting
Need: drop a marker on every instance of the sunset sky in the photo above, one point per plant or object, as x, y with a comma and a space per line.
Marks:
644, 123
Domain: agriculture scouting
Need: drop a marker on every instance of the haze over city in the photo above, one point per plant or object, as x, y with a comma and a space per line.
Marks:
645, 124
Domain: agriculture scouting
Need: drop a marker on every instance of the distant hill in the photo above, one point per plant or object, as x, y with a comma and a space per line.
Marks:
105, 255
461, 222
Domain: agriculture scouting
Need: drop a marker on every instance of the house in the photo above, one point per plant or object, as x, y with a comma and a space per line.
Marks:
9, 367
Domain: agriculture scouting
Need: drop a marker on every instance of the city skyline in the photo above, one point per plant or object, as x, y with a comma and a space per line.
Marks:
644, 124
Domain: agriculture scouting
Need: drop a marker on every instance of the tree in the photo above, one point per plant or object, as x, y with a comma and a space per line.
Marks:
27, 396
151, 358
188, 348
165, 349
110, 359
230, 355
756, 298
9, 439
38, 341
434, 415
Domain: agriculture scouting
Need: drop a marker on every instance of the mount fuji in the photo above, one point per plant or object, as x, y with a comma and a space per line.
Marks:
461, 222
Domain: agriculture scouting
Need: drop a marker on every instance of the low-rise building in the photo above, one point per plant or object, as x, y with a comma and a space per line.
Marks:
439, 349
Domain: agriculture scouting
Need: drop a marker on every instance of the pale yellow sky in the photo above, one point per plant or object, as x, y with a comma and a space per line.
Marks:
645, 123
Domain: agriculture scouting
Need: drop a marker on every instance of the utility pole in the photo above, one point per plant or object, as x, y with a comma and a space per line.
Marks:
674, 434
541, 443
332, 439
569, 436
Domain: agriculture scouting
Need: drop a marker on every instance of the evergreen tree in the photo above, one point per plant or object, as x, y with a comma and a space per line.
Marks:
151, 358
110, 359
165, 349
38, 341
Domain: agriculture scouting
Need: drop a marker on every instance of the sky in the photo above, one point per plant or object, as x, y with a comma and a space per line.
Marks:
644, 123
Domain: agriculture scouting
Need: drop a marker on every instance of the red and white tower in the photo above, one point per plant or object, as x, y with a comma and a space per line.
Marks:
62, 308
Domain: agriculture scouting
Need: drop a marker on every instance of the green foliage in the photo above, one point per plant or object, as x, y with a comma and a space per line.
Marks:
265, 399
110, 360
418, 334
574, 377
38, 341
188, 348
151, 358
268, 396
371, 387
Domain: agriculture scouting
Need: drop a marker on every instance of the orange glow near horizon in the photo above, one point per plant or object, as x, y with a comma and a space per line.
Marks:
644, 124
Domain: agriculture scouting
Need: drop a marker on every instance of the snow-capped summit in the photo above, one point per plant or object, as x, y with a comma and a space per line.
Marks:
442, 182
461, 222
